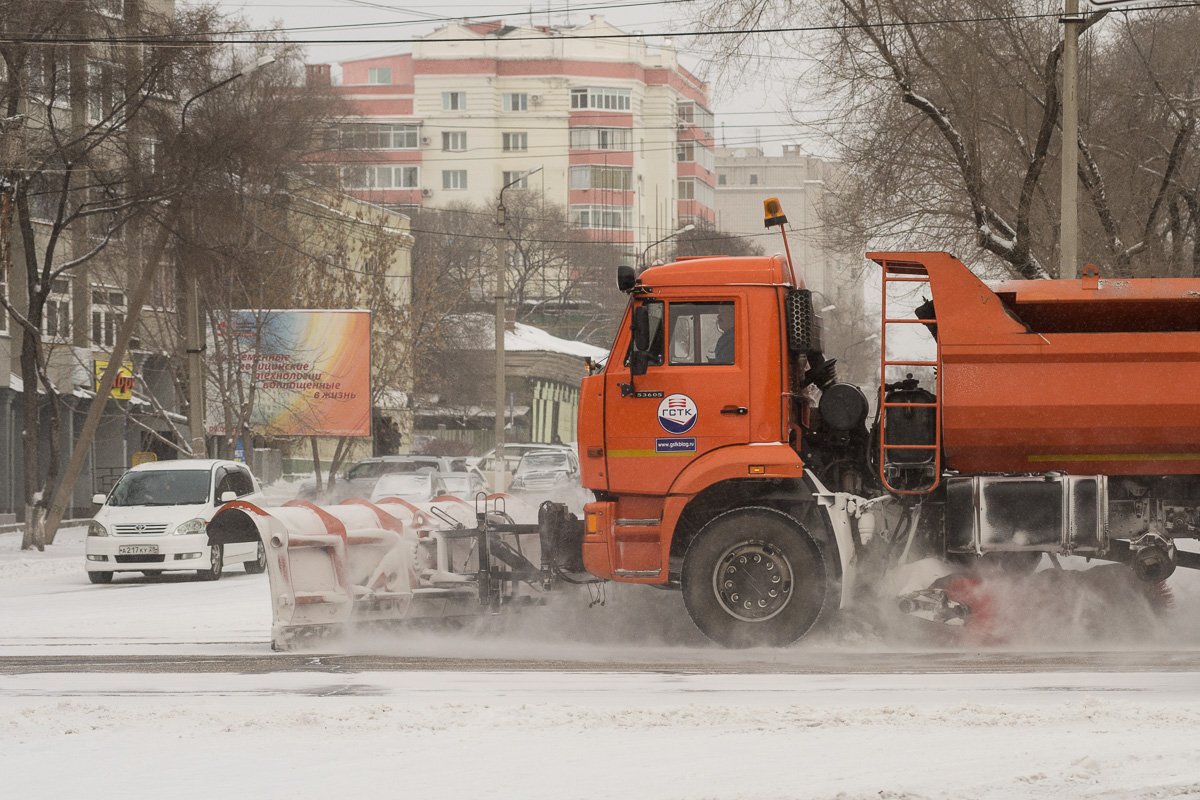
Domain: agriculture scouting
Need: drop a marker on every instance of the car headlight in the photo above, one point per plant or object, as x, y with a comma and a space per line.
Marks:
191, 526
96, 529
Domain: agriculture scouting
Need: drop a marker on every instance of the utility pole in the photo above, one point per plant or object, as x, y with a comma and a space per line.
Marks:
1069, 211
501, 324
195, 366
192, 340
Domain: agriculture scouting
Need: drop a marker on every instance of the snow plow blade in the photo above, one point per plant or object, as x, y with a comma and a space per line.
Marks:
334, 568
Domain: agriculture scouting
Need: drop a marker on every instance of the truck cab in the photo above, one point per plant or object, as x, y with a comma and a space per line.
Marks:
703, 418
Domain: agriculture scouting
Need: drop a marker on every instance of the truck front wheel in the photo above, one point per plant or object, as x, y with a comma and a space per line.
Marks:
754, 577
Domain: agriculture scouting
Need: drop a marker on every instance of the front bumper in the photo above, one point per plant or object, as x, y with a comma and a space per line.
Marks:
188, 552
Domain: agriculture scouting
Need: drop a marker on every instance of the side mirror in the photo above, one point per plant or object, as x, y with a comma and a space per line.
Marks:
626, 277
639, 360
98, 499
641, 328
228, 497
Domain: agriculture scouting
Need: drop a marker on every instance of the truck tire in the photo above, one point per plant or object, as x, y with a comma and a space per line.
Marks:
754, 577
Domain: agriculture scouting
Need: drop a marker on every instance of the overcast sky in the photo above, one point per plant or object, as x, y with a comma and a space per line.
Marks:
747, 113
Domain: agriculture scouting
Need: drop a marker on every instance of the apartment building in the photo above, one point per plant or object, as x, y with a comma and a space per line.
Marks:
615, 130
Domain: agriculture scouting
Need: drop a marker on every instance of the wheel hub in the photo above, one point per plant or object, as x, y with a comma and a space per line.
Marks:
753, 581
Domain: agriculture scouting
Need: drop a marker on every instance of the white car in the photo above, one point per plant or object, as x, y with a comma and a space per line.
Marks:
156, 517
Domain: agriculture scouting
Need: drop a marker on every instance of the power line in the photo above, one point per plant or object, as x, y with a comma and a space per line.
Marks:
224, 38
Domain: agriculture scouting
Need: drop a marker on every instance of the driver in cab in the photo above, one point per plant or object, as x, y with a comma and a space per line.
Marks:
723, 353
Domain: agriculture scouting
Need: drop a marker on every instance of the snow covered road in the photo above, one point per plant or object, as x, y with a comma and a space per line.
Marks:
169, 687
601, 735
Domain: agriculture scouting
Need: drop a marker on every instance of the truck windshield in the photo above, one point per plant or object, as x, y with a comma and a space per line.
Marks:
184, 487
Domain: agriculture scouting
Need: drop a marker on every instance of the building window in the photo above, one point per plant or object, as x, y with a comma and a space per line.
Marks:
694, 189
604, 217
102, 222
50, 76
596, 177
454, 141
108, 311
381, 176
454, 179
104, 89
111, 8
601, 139
601, 99
454, 101
753, 179
518, 180
516, 101
695, 152
379, 76
56, 324
514, 142
380, 137
689, 113
721, 179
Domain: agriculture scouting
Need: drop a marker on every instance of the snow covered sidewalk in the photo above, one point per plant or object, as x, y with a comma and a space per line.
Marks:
601, 735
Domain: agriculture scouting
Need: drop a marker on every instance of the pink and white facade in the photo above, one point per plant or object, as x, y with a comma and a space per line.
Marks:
621, 131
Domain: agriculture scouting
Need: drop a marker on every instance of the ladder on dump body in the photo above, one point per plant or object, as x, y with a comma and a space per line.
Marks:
908, 272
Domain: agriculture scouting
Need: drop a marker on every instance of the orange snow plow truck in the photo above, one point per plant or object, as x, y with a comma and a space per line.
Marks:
1057, 417
1012, 422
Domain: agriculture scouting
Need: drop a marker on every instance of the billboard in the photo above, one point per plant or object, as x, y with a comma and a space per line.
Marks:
122, 388
292, 372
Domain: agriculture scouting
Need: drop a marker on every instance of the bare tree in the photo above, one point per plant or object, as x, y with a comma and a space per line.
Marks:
708, 240
74, 184
949, 125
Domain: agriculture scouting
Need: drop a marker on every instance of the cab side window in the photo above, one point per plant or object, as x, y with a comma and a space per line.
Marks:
702, 333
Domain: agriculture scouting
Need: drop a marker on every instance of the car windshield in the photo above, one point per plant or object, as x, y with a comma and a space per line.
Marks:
545, 462
460, 483
406, 483
374, 469
184, 487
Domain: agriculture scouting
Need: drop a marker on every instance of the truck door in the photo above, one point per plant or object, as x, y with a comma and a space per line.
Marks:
694, 397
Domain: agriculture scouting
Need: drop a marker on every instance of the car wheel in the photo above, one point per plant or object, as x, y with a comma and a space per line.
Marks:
754, 577
216, 563
259, 564
100, 577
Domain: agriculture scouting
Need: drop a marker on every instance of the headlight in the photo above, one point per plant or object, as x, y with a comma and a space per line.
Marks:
96, 529
191, 526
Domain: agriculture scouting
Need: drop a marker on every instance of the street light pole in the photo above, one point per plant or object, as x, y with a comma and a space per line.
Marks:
501, 389
672, 235
1069, 210
193, 344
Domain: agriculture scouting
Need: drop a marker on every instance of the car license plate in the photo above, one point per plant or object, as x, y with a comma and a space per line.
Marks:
137, 550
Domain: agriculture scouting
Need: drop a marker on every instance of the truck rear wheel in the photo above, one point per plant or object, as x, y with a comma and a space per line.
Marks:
754, 577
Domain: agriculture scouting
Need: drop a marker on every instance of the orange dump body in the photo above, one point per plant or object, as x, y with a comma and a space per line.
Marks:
1087, 376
